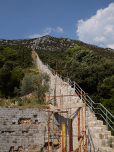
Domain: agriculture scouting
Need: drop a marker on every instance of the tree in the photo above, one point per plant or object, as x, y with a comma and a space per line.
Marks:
10, 78
71, 51
27, 84
37, 83
89, 70
16, 76
107, 88
10, 54
42, 86
2, 59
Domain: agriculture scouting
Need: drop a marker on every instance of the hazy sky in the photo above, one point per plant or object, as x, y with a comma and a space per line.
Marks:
91, 21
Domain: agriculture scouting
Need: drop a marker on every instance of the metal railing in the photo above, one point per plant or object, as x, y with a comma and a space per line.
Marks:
102, 111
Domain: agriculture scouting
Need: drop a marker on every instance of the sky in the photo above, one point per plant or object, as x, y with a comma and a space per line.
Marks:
91, 21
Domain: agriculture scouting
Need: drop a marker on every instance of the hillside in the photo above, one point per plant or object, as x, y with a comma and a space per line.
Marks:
56, 44
92, 70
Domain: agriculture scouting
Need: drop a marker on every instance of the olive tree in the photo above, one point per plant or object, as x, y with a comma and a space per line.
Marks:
39, 84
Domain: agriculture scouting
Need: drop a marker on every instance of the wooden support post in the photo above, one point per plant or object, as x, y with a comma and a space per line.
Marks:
70, 136
79, 129
63, 137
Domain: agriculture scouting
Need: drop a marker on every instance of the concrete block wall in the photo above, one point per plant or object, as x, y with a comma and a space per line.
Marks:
13, 134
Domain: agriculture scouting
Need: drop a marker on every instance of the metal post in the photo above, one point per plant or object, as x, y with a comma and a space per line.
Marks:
82, 128
79, 129
85, 110
67, 130
55, 86
78, 125
81, 94
106, 120
53, 131
60, 117
67, 91
48, 131
85, 120
53, 96
60, 99
91, 105
63, 137
74, 87
70, 136
70, 104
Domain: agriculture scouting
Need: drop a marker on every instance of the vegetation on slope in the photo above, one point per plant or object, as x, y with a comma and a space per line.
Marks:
23, 87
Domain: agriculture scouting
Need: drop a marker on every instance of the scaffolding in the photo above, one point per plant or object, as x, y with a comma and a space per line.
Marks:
65, 133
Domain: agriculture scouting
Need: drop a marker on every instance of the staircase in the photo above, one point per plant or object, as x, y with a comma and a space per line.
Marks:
99, 139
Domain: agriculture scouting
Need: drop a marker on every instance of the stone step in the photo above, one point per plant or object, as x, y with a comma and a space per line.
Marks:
100, 135
104, 126
97, 129
92, 119
106, 149
109, 133
97, 123
101, 142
